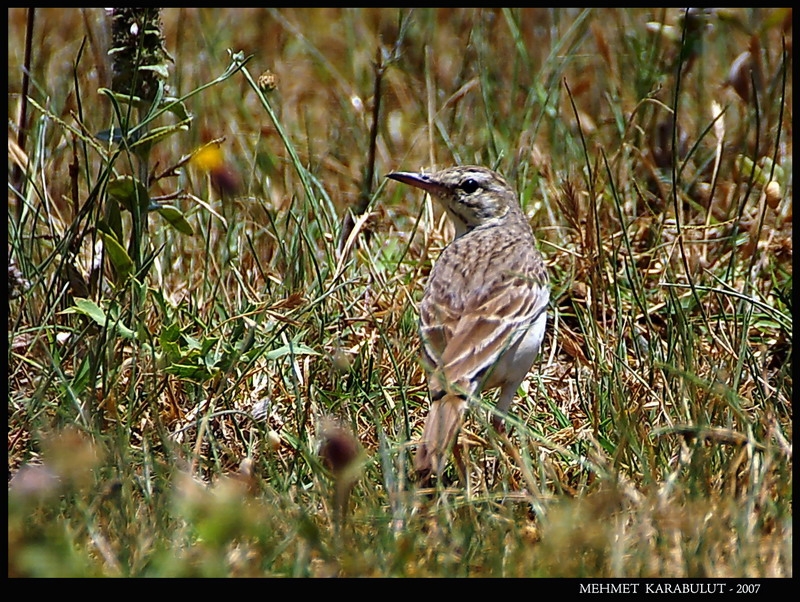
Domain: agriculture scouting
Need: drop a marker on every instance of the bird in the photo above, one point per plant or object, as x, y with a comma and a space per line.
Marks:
483, 313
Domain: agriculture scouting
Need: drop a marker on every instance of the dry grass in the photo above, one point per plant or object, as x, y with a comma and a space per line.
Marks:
171, 425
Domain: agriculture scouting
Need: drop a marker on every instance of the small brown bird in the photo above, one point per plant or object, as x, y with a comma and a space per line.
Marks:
483, 314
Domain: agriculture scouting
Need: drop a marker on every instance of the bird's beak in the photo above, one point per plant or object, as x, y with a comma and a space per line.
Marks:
418, 180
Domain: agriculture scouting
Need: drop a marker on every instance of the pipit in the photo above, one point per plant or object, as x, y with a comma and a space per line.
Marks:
483, 313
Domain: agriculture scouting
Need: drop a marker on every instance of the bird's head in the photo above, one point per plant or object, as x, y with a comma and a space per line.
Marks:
473, 196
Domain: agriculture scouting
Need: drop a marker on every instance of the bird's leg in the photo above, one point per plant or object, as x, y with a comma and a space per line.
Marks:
506, 397
461, 466
498, 424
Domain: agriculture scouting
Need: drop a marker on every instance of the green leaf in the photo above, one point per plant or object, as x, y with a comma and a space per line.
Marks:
292, 349
119, 97
744, 166
161, 69
94, 312
90, 309
177, 108
768, 167
112, 224
191, 372
170, 104
175, 217
157, 134
127, 190
117, 255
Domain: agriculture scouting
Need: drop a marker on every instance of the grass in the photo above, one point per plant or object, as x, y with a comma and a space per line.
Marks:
213, 370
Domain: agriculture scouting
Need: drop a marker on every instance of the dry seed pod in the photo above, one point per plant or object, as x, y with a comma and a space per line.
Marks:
739, 76
338, 449
774, 194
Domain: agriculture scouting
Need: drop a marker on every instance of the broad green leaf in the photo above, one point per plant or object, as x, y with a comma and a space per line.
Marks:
117, 255
176, 219
94, 312
127, 190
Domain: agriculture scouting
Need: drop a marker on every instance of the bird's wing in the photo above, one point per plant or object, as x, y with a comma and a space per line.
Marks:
464, 345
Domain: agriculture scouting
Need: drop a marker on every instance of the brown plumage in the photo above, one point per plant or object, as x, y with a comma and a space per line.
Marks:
483, 314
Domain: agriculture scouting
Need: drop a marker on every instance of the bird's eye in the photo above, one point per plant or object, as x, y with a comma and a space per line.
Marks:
469, 186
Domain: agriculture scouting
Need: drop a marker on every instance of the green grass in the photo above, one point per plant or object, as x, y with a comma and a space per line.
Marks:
169, 393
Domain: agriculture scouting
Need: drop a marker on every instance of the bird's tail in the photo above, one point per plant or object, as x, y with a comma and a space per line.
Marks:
441, 428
